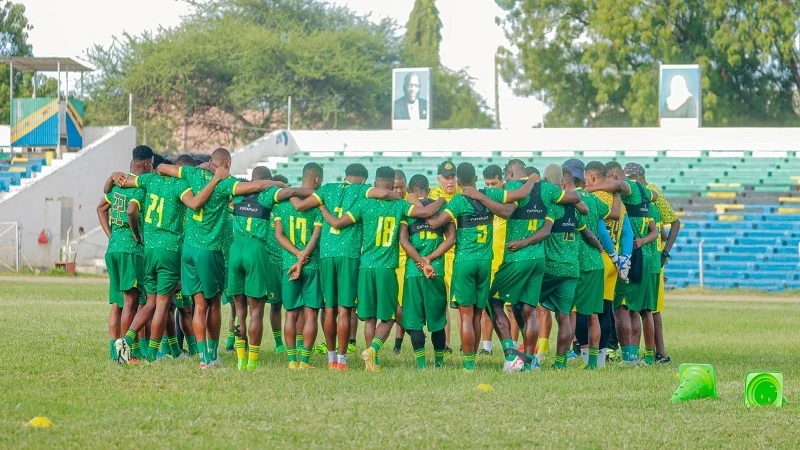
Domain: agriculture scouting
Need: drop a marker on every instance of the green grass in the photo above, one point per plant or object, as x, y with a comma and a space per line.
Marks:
53, 363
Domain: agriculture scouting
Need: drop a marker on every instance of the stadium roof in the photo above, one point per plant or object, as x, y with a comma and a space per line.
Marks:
48, 64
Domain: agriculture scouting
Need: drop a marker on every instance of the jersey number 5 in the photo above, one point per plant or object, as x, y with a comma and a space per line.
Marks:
385, 231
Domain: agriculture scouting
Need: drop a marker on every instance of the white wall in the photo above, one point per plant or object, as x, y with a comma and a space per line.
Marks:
279, 143
38, 205
552, 139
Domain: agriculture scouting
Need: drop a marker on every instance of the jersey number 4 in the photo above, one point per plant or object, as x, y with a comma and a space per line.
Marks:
385, 231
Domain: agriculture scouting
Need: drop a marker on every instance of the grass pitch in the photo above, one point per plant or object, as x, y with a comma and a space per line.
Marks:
53, 363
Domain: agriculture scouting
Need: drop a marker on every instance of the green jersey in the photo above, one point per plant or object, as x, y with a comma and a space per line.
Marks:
656, 246
561, 247
530, 215
163, 210
298, 227
252, 215
473, 225
380, 220
206, 228
425, 240
273, 247
338, 198
590, 258
637, 204
121, 239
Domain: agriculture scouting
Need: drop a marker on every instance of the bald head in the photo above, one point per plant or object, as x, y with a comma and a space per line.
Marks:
261, 173
553, 174
221, 158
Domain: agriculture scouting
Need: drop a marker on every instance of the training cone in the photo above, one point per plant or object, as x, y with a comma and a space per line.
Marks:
695, 381
763, 389
483, 387
39, 422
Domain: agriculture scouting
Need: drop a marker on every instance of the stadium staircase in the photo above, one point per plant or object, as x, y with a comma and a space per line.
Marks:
743, 208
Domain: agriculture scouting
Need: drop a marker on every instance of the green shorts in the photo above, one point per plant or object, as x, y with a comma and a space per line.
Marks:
589, 292
305, 291
274, 281
202, 271
558, 293
471, 283
248, 268
519, 281
181, 301
162, 270
642, 296
339, 276
142, 298
377, 294
424, 303
124, 274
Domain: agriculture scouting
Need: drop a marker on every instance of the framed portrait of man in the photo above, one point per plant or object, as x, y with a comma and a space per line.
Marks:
411, 98
680, 96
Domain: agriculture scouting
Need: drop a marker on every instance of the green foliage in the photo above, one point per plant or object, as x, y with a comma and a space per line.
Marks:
232, 64
455, 102
14, 28
597, 61
420, 45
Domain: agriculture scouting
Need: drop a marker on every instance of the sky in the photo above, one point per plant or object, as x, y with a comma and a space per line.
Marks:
469, 36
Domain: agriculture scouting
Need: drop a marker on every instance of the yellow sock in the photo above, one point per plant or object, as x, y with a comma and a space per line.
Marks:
544, 345
252, 357
241, 354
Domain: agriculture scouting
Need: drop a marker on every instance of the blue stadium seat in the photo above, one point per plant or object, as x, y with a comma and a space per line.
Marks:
769, 285
12, 178
777, 266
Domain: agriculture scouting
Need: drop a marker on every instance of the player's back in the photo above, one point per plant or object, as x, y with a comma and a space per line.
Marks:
474, 223
561, 247
298, 227
164, 211
339, 198
252, 215
425, 240
380, 221
121, 239
206, 227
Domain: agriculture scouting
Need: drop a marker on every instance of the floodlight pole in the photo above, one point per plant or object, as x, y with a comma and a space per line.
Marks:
289, 116
130, 109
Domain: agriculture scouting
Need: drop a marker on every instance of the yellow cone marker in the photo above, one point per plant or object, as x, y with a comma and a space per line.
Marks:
39, 422
483, 387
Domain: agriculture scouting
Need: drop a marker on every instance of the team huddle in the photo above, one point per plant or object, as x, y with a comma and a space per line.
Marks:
584, 243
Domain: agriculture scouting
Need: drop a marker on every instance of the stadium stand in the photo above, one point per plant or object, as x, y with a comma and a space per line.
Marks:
15, 168
743, 206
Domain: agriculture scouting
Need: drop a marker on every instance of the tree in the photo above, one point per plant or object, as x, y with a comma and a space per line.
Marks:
597, 62
230, 67
14, 28
455, 102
